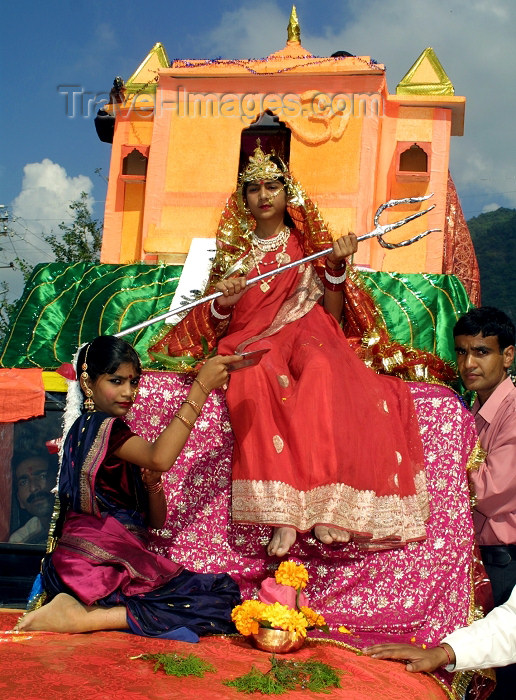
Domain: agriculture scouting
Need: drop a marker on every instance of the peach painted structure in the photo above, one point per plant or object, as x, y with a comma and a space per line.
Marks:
353, 146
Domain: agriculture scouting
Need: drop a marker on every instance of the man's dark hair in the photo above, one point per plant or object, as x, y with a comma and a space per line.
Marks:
487, 320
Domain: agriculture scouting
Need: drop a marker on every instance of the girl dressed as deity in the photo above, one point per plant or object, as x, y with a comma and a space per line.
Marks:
322, 443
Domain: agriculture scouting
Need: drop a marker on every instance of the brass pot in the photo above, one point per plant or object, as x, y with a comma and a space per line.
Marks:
277, 641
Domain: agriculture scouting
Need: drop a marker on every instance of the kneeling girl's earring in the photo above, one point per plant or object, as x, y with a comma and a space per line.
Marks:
89, 404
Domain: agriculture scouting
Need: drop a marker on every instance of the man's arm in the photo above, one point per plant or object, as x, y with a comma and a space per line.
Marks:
487, 643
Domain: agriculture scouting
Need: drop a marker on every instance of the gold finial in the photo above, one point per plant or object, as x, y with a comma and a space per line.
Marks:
293, 29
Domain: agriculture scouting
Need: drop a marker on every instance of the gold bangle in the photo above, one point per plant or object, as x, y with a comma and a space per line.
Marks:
184, 420
194, 405
203, 386
154, 488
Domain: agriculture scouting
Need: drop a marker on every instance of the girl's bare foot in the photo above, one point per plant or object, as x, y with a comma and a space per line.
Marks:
60, 615
331, 535
282, 540
65, 614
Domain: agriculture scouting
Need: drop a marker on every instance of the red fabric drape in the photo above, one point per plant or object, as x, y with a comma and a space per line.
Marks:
459, 253
102, 664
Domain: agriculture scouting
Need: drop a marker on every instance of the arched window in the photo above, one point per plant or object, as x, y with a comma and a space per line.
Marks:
413, 161
134, 163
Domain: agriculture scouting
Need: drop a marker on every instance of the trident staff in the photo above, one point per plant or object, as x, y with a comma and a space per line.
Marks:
378, 232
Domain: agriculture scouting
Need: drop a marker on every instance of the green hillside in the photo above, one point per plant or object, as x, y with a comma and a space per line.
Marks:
494, 238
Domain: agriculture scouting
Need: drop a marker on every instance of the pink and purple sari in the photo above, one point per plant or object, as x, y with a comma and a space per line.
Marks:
102, 555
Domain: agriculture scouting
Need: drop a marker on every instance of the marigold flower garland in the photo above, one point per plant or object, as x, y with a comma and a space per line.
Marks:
288, 615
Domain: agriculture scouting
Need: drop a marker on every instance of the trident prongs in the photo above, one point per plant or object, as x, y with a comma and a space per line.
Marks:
380, 230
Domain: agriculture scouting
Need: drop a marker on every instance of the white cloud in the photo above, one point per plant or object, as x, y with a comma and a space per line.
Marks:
41, 206
490, 207
473, 40
249, 32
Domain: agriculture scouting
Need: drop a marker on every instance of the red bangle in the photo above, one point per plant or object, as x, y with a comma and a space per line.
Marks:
450, 662
338, 268
220, 312
335, 279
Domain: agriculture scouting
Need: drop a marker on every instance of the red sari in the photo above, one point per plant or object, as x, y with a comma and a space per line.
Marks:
320, 439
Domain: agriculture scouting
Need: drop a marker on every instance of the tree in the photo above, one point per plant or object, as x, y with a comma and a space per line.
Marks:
6, 309
79, 241
494, 238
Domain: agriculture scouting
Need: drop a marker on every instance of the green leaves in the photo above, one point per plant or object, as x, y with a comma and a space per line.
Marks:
282, 676
179, 665
184, 363
288, 675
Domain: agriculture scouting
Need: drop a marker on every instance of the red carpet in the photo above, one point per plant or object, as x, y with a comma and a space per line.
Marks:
97, 666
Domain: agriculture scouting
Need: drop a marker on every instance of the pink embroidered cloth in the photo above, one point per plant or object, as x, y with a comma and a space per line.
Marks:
417, 594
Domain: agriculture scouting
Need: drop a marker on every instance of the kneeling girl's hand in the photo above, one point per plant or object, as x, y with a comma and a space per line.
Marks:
214, 373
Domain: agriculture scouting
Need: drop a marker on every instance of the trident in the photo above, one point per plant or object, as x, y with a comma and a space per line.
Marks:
378, 232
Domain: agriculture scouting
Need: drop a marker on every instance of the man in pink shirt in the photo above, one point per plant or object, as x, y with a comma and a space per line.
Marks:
484, 344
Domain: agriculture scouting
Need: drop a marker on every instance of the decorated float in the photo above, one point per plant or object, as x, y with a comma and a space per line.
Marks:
180, 132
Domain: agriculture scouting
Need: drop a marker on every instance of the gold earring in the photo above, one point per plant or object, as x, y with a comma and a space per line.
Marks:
89, 405
134, 395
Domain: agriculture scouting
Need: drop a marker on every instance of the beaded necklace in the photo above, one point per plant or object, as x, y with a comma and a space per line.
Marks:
269, 245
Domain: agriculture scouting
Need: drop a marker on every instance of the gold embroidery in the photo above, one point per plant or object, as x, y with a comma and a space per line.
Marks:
95, 553
278, 443
477, 456
475, 459
86, 487
379, 521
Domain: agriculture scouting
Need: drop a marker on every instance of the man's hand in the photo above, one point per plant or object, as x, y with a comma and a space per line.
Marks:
419, 659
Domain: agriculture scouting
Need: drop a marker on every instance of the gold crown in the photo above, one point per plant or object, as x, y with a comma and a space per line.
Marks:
261, 167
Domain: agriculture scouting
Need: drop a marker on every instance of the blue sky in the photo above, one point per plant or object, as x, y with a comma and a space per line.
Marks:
48, 157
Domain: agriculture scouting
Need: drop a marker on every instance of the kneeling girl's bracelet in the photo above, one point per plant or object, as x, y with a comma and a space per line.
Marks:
194, 405
184, 420
203, 386
154, 488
